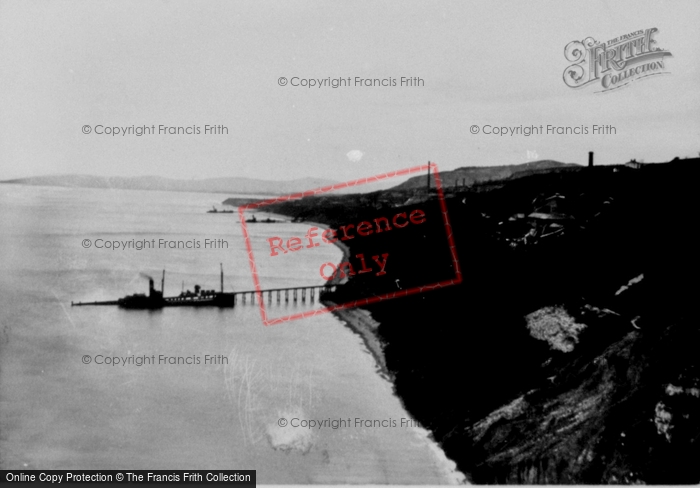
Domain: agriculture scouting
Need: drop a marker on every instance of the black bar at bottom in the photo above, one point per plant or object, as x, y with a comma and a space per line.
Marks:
239, 478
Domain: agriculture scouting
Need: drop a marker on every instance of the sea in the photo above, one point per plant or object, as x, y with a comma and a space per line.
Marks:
99, 387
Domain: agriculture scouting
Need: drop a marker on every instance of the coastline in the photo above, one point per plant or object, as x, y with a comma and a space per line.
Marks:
576, 271
356, 319
360, 321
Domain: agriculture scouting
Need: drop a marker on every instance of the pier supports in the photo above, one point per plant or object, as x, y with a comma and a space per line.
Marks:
302, 293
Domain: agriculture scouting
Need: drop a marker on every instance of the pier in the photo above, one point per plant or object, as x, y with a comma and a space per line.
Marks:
156, 299
294, 294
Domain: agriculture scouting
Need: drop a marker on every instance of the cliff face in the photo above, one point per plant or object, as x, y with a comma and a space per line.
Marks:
568, 358
568, 354
626, 415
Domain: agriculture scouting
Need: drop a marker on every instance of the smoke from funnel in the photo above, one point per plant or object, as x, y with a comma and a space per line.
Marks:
144, 275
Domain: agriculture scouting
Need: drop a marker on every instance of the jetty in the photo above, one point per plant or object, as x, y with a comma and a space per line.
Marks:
295, 293
155, 299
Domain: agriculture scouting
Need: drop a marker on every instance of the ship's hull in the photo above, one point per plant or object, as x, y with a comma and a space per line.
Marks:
221, 300
155, 299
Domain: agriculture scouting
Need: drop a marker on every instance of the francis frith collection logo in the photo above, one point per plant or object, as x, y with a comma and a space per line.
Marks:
615, 63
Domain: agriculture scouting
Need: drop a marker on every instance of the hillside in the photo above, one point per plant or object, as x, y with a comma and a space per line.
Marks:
568, 354
210, 185
470, 175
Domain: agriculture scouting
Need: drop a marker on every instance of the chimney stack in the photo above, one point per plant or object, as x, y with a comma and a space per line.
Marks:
150, 287
428, 175
590, 159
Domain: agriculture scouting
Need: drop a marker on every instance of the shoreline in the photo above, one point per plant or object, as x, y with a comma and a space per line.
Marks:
357, 319
360, 322
505, 346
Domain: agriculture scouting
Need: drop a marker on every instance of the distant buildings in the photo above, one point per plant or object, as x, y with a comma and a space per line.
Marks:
634, 164
550, 215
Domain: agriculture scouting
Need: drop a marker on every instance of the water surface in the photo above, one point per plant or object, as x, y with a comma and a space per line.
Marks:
59, 413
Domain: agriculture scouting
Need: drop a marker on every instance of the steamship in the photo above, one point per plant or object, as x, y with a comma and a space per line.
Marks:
156, 300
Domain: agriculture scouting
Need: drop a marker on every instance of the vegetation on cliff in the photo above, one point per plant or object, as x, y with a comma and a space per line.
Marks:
568, 354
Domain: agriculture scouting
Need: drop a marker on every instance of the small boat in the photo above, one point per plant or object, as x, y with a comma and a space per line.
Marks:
268, 220
214, 210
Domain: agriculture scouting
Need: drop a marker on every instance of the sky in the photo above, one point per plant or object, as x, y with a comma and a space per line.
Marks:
65, 65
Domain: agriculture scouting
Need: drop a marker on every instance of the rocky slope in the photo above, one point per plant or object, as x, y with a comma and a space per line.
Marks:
568, 353
625, 413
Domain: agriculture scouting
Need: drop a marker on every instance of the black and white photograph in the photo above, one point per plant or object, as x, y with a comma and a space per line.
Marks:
308, 242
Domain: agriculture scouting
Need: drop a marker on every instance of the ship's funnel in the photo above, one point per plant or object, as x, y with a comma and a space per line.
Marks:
151, 288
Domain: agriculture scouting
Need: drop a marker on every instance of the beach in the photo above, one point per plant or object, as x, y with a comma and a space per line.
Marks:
358, 320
